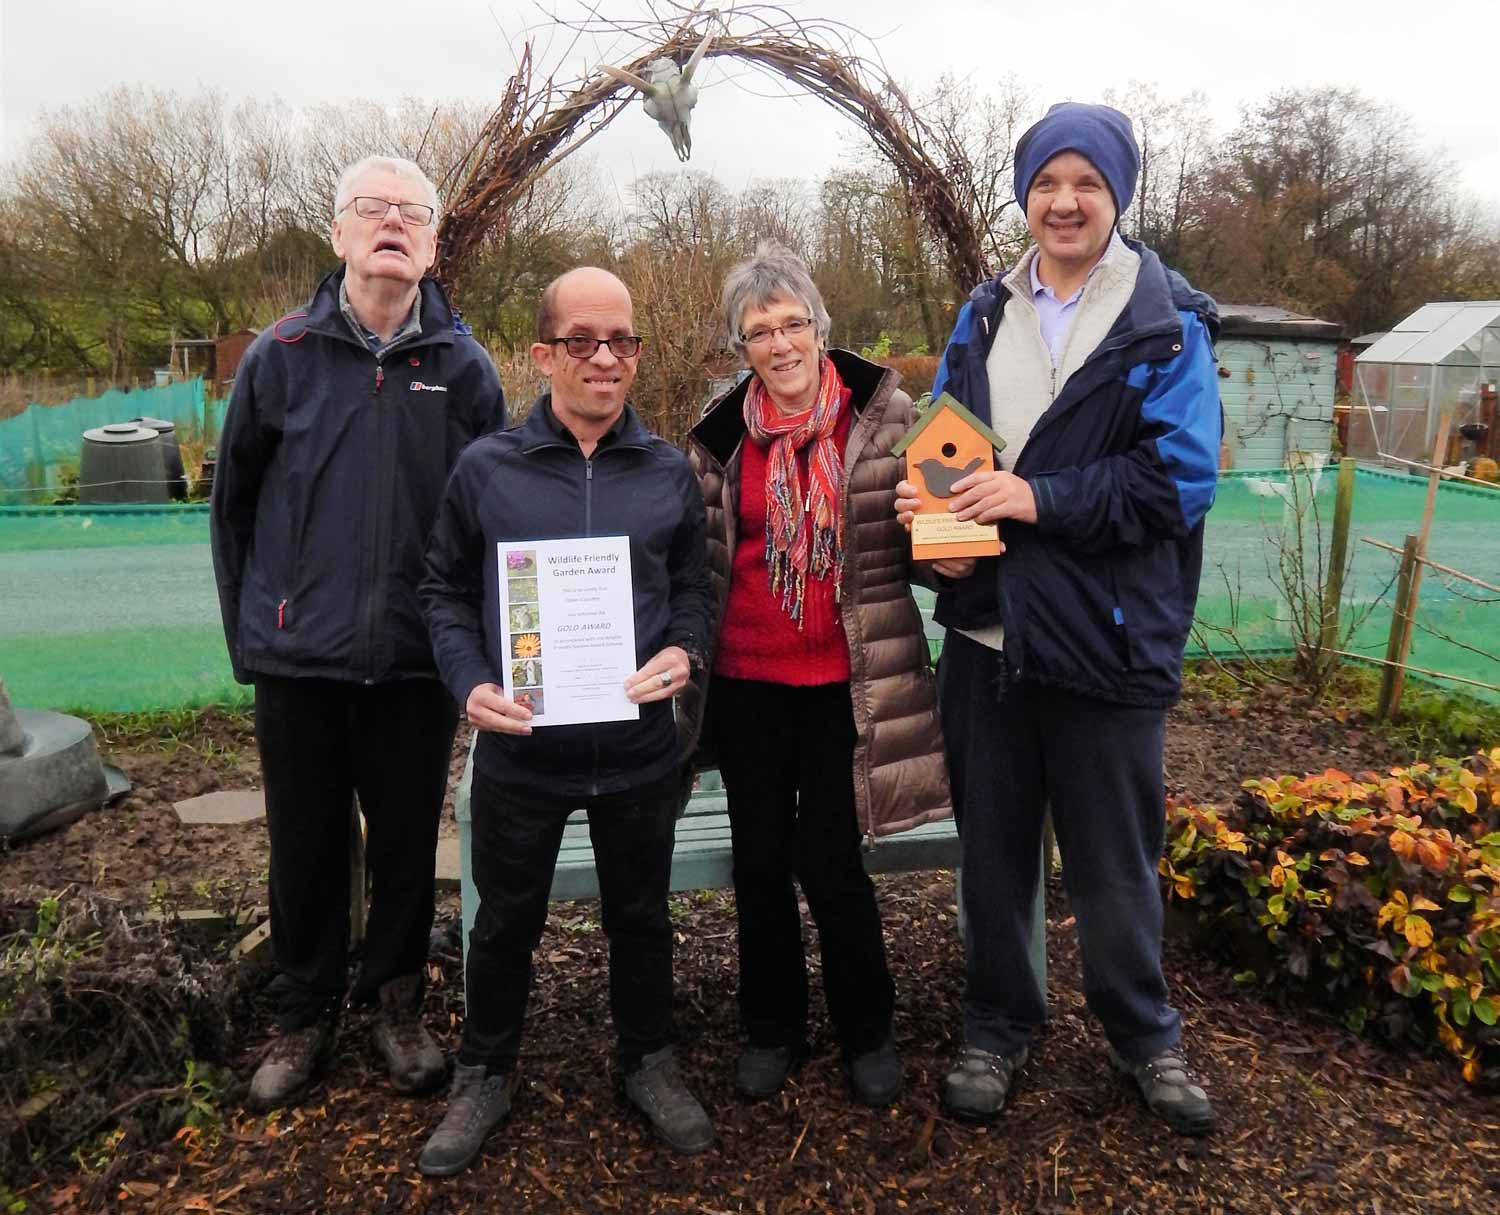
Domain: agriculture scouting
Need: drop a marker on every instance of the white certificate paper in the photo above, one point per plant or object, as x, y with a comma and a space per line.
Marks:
567, 624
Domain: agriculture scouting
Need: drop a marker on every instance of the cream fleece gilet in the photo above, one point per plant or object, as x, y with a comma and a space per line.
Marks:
1023, 380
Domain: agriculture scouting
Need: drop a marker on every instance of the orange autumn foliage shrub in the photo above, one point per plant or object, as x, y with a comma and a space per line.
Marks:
1380, 893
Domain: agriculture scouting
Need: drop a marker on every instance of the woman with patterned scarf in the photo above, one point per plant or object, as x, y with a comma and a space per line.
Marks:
818, 702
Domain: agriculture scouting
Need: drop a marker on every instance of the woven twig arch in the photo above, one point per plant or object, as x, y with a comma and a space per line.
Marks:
536, 126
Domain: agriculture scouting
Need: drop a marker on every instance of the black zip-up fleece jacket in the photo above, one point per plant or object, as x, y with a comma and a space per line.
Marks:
533, 482
330, 470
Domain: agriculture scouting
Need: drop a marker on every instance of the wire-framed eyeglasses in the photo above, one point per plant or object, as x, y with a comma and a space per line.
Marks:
763, 334
581, 346
366, 206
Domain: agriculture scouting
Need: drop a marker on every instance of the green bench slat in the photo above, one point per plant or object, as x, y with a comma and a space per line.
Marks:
701, 858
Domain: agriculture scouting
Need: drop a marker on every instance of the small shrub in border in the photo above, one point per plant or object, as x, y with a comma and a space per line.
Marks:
1380, 893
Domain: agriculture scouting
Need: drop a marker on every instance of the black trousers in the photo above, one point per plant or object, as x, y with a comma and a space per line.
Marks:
1012, 751
321, 742
787, 758
517, 831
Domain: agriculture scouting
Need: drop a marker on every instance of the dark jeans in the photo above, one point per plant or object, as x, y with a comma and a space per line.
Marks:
517, 830
323, 741
787, 758
1012, 751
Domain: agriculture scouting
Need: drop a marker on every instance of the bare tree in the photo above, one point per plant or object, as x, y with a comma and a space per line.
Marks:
1177, 147
977, 134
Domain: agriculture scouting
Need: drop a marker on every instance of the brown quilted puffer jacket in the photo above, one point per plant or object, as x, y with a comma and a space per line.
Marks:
900, 772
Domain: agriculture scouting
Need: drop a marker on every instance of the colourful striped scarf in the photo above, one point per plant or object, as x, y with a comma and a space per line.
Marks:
804, 532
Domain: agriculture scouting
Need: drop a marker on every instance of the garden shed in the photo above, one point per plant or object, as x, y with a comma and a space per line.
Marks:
1442, 358
1277, 379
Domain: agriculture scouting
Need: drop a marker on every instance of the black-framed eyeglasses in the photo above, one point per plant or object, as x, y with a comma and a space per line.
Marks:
581, 346
759, 337
366, 206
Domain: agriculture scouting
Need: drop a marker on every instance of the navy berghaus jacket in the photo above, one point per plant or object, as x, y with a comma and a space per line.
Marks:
1097, 596
532, 482
330, 470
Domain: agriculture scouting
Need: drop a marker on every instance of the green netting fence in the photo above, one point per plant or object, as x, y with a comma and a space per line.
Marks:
1258, 516
111, 608
39, 445
114, 608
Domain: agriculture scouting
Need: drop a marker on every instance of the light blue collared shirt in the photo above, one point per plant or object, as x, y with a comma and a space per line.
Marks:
1057, 315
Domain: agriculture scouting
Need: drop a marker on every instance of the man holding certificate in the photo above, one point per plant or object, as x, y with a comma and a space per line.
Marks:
581, 523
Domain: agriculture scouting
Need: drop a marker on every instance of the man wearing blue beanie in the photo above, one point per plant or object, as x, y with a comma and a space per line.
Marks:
1094, 362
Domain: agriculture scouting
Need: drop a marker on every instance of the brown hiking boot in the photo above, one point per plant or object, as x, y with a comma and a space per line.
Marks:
411, 1056
290, 1064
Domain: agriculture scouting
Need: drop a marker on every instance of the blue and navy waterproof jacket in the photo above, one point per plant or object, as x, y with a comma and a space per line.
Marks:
533, 482
1097, 596
330, 470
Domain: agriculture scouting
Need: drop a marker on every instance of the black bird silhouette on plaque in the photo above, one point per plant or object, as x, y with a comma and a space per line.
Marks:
940, 477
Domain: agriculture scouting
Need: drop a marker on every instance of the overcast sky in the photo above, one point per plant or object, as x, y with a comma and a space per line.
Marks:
1428, 59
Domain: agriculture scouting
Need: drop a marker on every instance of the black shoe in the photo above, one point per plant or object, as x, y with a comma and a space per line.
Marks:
761, 1070
478, 1102
656, 1089
411, 1056
289, 1066
979, 1082
875, 1076
1171, 1091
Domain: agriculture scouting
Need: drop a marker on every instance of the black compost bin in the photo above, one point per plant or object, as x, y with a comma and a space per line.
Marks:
171, 455
121, 462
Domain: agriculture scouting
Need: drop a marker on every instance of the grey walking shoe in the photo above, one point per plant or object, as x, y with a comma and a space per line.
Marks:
1171, 1091
290, 1064
478, 1102
875, 1076
657, 1090
979, 1082
760, 1071
411, 1056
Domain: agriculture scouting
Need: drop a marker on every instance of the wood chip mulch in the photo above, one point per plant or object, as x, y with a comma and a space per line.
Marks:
1311, 1118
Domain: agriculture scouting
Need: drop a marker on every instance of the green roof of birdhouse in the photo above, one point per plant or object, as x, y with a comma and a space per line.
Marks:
949, 402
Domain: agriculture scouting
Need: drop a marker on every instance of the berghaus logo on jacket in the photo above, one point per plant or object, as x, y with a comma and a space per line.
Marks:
418, 386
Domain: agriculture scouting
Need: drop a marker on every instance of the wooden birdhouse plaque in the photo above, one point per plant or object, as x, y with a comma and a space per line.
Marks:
947, 443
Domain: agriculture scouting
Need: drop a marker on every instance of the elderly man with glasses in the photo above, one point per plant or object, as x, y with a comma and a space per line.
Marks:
344, 422
582, 464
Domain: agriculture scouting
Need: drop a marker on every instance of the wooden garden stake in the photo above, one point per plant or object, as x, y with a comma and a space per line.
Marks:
1399, 628
1333, 593
1439, 447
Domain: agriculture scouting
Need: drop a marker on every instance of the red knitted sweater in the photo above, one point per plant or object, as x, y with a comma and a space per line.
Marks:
757, 639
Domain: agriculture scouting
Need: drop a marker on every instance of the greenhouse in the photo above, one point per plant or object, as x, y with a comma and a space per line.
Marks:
1443, 358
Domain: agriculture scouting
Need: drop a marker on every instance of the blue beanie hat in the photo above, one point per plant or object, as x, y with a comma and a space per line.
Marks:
1099, 132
